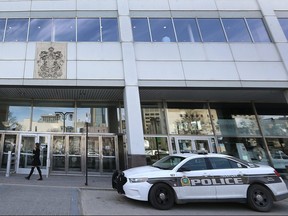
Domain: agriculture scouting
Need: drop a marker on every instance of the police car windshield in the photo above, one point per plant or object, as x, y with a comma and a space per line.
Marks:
168, 162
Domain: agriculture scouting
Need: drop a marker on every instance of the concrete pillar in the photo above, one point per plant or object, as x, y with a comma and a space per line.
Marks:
132, 106
134, 127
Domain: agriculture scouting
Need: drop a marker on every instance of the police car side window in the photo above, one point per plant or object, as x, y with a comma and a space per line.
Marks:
194, 164
224, 163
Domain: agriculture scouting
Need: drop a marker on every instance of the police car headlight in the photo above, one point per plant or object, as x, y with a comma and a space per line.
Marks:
137, 180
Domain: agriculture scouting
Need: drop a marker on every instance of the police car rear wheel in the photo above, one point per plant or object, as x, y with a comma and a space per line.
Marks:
161, 196
259, 198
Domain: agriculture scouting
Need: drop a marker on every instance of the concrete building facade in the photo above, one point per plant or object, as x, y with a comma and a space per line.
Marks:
218, 80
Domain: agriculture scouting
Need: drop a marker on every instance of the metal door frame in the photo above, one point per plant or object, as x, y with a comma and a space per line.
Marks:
45, 171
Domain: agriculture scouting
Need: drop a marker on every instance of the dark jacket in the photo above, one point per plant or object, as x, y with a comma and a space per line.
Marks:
36, 158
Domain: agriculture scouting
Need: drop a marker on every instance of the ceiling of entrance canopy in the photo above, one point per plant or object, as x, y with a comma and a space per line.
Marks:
146, 94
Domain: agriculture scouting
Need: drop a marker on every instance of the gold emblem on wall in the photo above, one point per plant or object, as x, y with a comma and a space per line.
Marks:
50, 61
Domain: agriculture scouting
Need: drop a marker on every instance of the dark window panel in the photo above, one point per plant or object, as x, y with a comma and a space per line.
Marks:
284, 24
258, 30
16, 30
236, 30
88, 29
40, 30
186, 30
109, 27
162, 30
211, 30
65, 30
140, 29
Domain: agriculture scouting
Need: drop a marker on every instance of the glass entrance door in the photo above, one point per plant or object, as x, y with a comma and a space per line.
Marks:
66, 154
192, 144
102, 154
25, 154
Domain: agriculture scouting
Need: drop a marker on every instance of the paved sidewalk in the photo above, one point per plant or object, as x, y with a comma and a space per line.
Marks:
101, 182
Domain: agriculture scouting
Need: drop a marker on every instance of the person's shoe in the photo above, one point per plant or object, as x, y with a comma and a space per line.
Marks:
40, 179
27, 178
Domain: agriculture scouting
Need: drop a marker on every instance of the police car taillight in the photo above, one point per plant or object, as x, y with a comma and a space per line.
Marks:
276, 173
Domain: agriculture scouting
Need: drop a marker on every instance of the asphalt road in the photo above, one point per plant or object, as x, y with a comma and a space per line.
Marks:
110, 203
67, 195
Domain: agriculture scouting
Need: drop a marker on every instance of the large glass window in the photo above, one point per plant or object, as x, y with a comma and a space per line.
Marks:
2, 28
162, 30
64, 30
189, 119
234, 119
186, 30
249, 149
155, 148
153, 119
53, 117
16, 30
258, 30
211, 30
284, 24
109, 28
273, 118
278, 148
88, 29
40, 30
236, 30
140, 29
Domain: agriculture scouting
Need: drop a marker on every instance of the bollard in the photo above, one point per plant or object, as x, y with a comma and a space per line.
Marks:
8, 164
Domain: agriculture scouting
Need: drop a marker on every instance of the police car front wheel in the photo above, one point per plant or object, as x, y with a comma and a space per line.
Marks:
259, 198
161, 196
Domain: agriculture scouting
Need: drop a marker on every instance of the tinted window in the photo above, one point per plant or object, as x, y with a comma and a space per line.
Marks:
40, 30
194, 164
186, 30
140, 29
168, 162
65, 30
88, 30
162, 30
16, 30
258, 30
236, 30
211, 30
224, 163
284, 24
2, 27
109, 27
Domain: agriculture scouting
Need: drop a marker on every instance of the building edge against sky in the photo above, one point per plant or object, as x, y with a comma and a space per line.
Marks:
177, 96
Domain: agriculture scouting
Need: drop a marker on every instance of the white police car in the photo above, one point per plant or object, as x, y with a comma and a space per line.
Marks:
205, 177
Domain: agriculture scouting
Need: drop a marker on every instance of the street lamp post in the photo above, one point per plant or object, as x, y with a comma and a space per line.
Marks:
64, 117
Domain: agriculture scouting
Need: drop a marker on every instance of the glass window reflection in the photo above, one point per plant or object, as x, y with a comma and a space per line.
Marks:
186, 30
284, 24
40, 30
234, 119
16, 30
88, 29
2, 27
162, 30
236, 30
109, 28
140, 29
65, 30
258, 30
153, 119
211, 30
189, 119
46, 119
